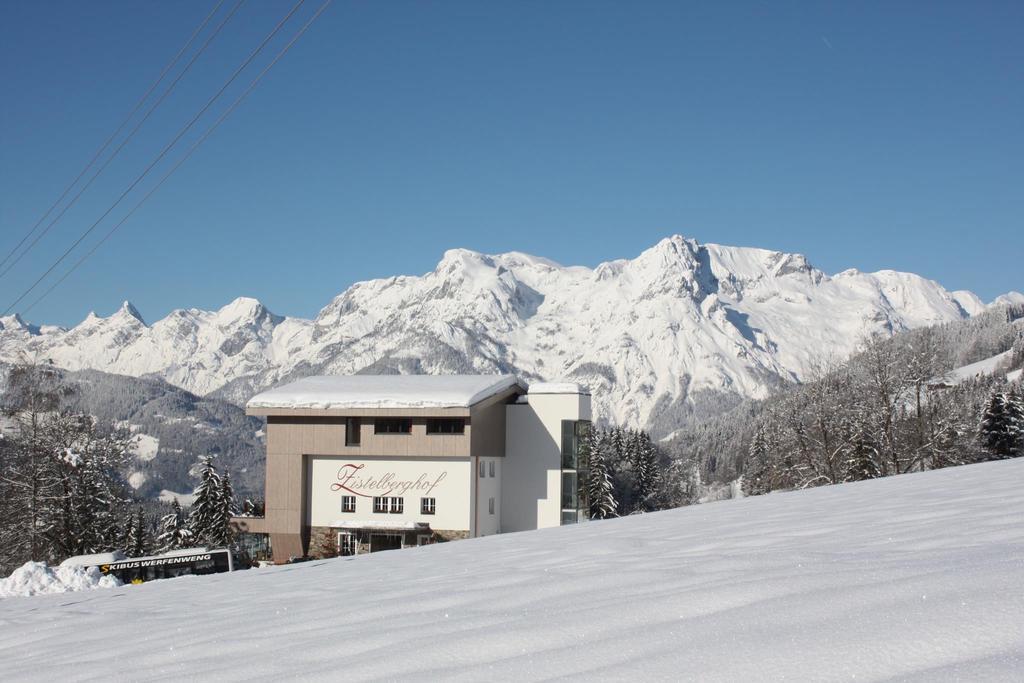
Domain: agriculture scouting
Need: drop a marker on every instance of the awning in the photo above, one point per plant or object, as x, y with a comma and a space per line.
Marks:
380, 526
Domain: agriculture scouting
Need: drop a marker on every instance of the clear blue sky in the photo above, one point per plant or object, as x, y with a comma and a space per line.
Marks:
867, 135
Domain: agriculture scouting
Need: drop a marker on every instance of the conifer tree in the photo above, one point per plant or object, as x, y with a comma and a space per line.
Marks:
599, 481
861, 458
207, 509
220, 535
1000, 428
755, 475
646, 471
174, 534
138, 535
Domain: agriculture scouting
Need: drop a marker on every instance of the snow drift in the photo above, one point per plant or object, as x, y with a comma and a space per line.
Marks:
916, 576
37, 578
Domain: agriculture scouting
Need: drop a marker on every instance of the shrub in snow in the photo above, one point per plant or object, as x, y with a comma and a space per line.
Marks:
37, 578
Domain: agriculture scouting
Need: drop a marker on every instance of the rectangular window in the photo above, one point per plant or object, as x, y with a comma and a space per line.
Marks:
570, 517
569, 491
424, 539
483, 470
348, 503
490, 469
392, 425
439, 425
490, 506
569, 442
352, 431
397, 506
347, 544
428, 506
380, 504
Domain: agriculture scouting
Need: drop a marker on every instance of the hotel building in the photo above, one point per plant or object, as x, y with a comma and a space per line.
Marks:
376, 462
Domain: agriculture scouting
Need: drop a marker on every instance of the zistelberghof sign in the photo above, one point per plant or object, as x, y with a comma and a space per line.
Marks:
351, 480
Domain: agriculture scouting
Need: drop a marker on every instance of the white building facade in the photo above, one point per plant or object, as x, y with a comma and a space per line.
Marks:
367, 463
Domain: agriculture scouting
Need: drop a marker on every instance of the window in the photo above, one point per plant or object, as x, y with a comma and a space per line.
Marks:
392, 425
570, 500
490, 506
483, 471
428, 506
438, 425
347, 543
348, 503
490, 469
424, 539
385, 504
352, 431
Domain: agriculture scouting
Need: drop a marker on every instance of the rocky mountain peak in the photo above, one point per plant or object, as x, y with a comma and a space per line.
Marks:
679, 329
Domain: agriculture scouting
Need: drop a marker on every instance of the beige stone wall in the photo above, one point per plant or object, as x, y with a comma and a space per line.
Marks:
323, 540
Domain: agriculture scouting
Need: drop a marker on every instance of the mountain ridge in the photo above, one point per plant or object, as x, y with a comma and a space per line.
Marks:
680, 330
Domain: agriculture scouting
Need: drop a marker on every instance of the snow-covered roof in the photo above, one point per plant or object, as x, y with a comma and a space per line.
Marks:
558, 388
94, 559
385, 391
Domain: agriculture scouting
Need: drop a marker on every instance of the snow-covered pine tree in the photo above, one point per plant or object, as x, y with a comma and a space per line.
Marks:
174, 534
1015, 406
126, 530
1000, 426
861, 456
138, 536
647, 471
599, 481
207, 509
755, 472
220, 535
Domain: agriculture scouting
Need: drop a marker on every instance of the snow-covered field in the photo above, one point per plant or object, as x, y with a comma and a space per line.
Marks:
982, 367
918, 577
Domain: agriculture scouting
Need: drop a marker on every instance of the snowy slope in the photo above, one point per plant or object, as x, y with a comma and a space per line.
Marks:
916, 576
684, 328
982, 367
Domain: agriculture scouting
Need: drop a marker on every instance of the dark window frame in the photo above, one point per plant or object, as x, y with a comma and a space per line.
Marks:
446, 426
428, 506
387, 425
380, 505
348, 503
396, 505
353, 426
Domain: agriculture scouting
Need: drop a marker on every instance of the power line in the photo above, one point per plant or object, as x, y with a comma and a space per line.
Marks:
181, 161
103, 147
128, 138
160, 156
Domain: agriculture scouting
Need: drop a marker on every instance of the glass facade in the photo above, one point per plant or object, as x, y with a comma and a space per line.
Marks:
575, 505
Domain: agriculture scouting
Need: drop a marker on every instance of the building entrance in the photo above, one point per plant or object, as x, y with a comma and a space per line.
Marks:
385, 542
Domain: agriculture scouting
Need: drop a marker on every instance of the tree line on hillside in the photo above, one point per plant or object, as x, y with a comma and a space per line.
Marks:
63, 488
889, 409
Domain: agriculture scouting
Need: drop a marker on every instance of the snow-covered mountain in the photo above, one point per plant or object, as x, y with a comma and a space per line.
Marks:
683, 329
